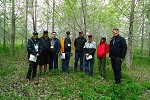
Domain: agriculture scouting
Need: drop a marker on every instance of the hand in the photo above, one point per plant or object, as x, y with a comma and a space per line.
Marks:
121, 59
109, 58
37, 55
87, 54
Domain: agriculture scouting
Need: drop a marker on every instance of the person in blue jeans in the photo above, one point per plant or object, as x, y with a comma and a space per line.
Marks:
66, 45
54, 50
89, 51
79, 44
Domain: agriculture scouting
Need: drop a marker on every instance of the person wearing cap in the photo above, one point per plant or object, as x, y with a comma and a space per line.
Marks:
54, 50
89, 51
44, 58
66, 46
118, 49
35, 49
102, 50
79, 44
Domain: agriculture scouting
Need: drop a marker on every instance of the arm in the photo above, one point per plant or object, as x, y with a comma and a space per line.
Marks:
30, 49
107, 48
124, 48
75, 42
40, 51
59, 46
110, 50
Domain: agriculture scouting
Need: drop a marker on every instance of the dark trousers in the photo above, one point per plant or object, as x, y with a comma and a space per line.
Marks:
78, 55
102, 67
53, 60
32, 69
65, 62
116, 66
88, 71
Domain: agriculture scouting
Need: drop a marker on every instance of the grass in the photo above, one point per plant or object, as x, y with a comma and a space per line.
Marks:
54, 85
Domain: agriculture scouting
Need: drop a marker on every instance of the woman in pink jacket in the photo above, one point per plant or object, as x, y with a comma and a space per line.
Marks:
102, 50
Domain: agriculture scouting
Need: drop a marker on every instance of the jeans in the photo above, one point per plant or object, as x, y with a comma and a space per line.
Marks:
88, 70
53, 59
102, 67
78, 55
32, 69
65, 62
116, 66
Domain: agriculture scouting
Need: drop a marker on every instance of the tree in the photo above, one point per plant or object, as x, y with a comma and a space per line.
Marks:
26, 22
53, 19
83, 3
130, 35
13, 26
4, 38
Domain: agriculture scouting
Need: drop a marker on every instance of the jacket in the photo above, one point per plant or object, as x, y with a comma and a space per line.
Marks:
65, 45
46, 44
79, 44
31, 48
102, 50
118, 47
90, 48
54, 45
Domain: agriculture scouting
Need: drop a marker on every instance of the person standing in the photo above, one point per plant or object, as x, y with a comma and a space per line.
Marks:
54, 50
89, 51
118, 48
79, 44
66, 45
102, 50
44, 58
34, 49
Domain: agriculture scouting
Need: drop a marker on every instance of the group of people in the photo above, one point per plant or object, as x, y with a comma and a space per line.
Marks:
47, 51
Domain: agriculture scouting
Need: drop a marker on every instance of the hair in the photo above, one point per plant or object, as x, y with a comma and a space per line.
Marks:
116, 29
80, 32
103, 38
67, 32
53, 32
45, 32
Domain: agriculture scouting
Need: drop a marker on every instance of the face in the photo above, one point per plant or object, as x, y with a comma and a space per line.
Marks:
35, 36
68, 35
102, 40
90, 39
115, 32
54, 35
45, 35
81, 35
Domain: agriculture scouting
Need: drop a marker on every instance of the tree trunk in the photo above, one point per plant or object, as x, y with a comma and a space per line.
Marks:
142, 37
34, 4
35, 24
53, 21
47, 13
130, 35
13, 27
83, 2
26, 23
4, 38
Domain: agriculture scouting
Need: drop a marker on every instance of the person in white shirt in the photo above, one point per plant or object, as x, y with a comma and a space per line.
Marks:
89, 50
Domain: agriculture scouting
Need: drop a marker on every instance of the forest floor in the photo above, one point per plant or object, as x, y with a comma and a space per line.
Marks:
54, 85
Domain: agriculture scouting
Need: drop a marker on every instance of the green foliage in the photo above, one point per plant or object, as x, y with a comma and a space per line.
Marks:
57, 85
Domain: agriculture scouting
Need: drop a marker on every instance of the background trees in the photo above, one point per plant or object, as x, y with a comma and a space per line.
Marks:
19, 18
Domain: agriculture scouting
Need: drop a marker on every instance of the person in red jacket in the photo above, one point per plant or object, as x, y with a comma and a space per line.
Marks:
102, 50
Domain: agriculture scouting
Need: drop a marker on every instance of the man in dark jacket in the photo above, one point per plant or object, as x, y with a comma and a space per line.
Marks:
44, 58
79, 44
118, 48
34, 49
89, 51
54, 50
